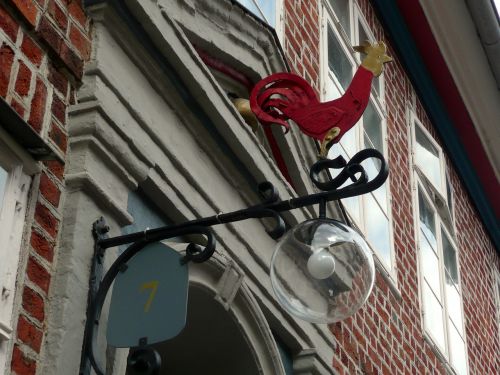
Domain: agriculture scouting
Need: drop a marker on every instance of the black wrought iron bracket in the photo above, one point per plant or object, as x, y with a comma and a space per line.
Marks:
144, 360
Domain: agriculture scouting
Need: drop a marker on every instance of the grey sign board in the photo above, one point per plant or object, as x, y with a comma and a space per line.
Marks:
149, 299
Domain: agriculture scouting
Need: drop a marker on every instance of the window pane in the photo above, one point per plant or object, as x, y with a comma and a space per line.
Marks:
348, 142
268, 7
373, 138
454, 306
362, 34
430, 265
3, 183
332, 91
450, 259
338, 61
372, 125
362, 37
341, 9
449, 196
352, 205
377, 86
250, 5
427, 157
372, 167
427, 223
457, 351
433, 316
377, 229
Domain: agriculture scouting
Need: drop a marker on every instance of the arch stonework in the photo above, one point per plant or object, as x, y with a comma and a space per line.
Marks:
221, 278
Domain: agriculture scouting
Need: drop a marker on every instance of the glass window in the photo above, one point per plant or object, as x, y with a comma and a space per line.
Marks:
427, 221
268, 8
338, 62
440, 284
450, 259
497, 298
377, 229
449, 195
427, 157
264, 9
433, 316
341, 9
14, 185
429, 160
362, 34
372, 125
454, 305
371, 212
430, 266
458, 354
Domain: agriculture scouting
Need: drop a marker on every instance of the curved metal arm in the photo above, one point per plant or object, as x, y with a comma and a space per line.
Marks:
95, 307
352, 170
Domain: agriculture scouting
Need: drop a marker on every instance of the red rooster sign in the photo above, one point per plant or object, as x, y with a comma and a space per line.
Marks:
286, 96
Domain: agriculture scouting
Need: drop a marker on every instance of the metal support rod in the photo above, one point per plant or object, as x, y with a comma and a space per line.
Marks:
351, 170
322, 209
358, 187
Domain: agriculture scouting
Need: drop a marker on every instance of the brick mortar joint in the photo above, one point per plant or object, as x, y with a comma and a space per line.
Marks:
27, 351
30, 319
30, 284
41, 261
39, 229
38, 323
53, 210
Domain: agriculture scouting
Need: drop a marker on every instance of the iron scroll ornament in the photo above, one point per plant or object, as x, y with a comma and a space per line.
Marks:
146, 360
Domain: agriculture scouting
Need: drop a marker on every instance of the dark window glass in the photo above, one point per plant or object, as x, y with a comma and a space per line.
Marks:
337, 61
341, 9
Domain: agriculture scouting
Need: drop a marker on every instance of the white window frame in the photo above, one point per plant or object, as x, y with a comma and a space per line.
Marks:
12, 224
329, 20
358, 18
440, 196
496, 290
443, 353
420, 184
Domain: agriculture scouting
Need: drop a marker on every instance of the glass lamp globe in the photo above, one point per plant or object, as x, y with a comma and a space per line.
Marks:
322, 271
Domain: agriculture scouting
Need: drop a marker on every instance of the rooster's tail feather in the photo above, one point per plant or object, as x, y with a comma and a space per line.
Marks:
272, 96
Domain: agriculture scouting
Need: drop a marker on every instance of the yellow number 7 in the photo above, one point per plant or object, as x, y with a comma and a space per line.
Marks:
153, 285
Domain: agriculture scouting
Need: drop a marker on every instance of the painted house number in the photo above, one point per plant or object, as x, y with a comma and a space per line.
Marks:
153, 285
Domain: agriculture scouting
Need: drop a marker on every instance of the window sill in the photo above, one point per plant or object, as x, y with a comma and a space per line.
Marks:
439, 354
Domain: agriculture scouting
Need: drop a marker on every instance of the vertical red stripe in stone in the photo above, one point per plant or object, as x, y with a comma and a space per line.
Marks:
6, 60
38, 106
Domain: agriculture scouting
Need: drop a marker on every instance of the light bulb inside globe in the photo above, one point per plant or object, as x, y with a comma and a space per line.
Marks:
322, 271
321, 264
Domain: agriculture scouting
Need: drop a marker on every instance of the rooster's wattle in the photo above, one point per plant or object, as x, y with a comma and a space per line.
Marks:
286, 96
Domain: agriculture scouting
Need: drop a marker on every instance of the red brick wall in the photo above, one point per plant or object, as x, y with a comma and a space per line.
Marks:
43, 46
301, 41
385, 336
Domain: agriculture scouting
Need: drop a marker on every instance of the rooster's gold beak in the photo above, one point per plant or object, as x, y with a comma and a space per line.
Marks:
386, 58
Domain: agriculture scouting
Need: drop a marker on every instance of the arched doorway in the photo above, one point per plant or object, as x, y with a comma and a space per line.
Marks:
221, 336
211, 342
